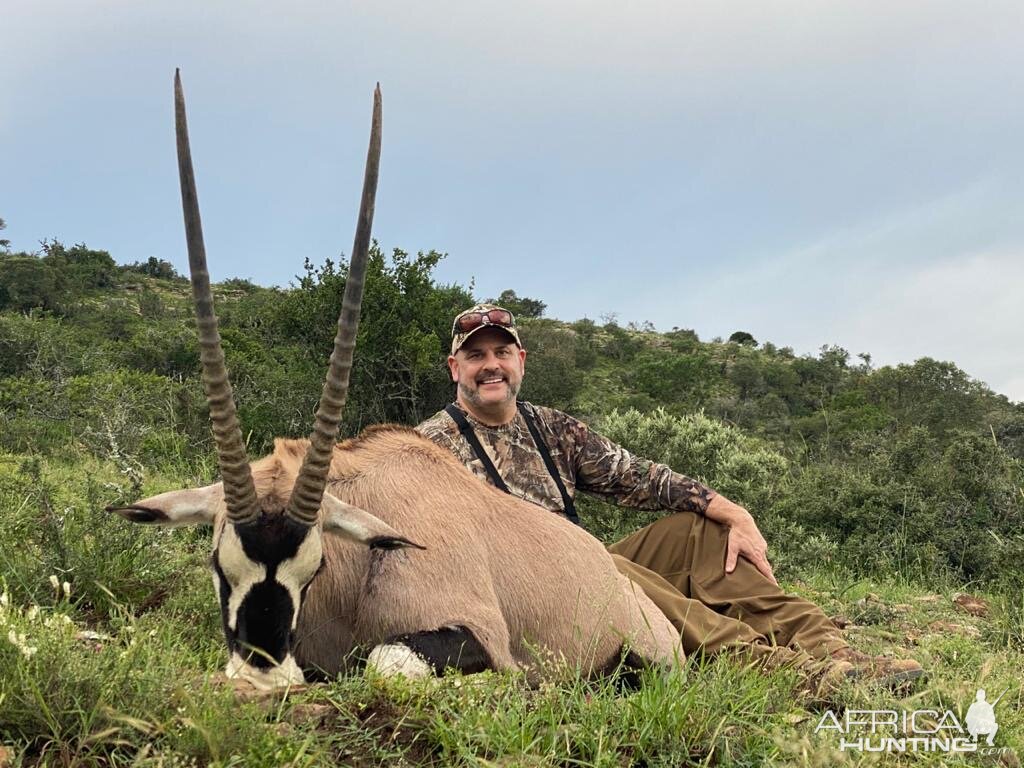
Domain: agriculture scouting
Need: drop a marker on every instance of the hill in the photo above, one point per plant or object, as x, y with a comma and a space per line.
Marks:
884, 492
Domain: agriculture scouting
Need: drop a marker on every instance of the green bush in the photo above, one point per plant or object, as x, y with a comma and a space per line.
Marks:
902, 503
115, 412
723, 458
398, 374
714, 453
55, 511
553, 378
683, 379
26, 282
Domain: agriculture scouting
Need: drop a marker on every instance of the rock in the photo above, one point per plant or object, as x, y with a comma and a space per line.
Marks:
975, 606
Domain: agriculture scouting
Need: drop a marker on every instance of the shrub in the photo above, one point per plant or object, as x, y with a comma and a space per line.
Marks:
27, 283
722, 457
683, 379
55, 511
553, 378
398, 374
154, 267
118, 411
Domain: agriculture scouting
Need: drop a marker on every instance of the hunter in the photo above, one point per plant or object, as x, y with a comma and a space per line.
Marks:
704, 564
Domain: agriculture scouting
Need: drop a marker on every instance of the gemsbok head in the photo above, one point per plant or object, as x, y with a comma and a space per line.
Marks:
268, 530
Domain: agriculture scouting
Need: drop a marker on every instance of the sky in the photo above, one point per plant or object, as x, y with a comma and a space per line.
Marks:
847, 172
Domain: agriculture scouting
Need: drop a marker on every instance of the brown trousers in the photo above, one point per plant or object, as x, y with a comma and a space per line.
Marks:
679, 562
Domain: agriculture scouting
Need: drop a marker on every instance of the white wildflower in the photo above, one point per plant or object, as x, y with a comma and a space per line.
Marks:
66, 588
32, 612
5, 599
20, 642
89, 636
58, 621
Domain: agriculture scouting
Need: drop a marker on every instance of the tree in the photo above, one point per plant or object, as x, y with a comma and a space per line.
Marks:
519, 306
744, 338
399, 373
553, 376
154, 267
931, 393
79, 267
5, 244
26, 282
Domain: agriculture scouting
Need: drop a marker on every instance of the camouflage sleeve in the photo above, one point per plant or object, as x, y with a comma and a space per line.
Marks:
442, 430
609, 470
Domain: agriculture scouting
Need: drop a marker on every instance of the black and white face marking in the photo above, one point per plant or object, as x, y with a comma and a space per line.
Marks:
260, 573
262, 569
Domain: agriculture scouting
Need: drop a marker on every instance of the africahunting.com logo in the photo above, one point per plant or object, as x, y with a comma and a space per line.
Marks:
918, 730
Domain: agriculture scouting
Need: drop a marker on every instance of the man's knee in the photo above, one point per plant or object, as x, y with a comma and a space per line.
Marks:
670, 531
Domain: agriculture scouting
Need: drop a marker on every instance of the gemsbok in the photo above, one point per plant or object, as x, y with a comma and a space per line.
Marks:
425, 567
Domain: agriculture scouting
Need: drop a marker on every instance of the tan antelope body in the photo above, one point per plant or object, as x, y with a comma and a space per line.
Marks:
518, 577
430, 568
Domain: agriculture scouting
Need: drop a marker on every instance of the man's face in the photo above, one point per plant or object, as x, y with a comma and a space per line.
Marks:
488, 368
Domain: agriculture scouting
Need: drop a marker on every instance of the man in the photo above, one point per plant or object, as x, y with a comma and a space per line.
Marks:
706, 567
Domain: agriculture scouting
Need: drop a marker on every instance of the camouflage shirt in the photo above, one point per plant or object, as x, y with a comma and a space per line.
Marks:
586, 460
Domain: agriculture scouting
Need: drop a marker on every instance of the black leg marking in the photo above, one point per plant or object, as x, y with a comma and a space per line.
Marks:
626, 669
447, 648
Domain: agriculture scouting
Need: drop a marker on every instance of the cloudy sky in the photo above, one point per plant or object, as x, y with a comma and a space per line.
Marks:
843, 172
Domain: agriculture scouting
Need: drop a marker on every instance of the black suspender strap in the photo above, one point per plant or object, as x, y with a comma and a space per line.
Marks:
474, 442
567, 503
492, 472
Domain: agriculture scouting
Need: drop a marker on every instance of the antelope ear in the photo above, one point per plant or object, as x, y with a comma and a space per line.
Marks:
190, 506
360, 526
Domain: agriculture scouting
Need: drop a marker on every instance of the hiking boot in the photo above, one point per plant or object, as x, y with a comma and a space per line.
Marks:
820, 679
823, 679
881, 669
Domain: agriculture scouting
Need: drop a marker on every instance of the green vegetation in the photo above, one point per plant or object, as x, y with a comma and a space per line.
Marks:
883, 492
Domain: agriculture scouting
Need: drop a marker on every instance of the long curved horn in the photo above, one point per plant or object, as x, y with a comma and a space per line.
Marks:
239, 489
304, 504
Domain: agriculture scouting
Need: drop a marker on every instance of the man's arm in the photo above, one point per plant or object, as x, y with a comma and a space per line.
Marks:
609, 470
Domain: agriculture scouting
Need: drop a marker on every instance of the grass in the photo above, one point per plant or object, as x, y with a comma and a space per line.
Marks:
121, 669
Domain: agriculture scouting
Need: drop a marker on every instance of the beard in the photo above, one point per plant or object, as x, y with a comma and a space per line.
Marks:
472, 394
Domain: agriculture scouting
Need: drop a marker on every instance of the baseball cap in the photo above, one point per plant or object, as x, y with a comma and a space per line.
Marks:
479, 316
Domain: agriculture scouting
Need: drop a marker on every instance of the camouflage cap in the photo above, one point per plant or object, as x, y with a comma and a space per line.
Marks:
486, 318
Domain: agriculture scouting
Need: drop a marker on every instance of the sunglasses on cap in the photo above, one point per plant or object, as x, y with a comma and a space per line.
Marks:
469, 321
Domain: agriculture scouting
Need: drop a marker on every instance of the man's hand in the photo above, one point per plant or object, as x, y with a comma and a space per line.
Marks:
744, 537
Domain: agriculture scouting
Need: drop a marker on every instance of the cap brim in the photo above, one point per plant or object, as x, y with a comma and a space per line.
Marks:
461, 338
